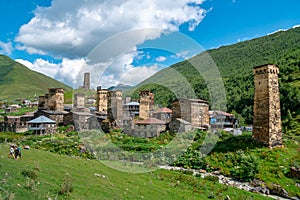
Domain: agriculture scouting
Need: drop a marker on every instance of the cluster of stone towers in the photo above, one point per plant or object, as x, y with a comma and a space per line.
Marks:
267, 116
53, 100
110, 103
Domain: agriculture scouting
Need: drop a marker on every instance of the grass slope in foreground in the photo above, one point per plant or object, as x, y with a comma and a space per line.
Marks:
50, 173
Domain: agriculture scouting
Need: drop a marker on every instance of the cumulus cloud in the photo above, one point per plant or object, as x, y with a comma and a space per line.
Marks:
71, 31
42, 66
71, 72
6, 48
68, 71
161, 59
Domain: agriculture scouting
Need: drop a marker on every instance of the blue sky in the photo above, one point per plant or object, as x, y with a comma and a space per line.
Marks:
59, 38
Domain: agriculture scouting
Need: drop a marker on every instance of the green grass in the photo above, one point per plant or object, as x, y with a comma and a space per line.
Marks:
274, 164
52, 170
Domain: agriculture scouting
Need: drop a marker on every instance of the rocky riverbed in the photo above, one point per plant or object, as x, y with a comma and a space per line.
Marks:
273, 191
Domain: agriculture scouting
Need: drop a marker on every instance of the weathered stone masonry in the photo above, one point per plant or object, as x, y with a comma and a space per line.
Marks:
267, 116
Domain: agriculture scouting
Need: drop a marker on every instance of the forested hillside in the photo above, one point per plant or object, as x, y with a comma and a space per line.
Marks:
235, 64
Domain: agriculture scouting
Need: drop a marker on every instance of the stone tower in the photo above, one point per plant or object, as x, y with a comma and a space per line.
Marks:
101, 100
79, 101
146, 104
115, 108
55, 99
86, 81
267, 116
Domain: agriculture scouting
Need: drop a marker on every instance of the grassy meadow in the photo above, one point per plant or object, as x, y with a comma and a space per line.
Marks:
44, 175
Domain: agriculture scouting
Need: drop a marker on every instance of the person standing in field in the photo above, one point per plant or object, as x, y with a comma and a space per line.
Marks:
11, 153
17, 152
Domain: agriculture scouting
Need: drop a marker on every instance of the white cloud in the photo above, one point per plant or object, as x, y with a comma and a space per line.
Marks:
68, 71
42, 66
183, 54
71, 72
279, 30
135, 75
6, 48
161, 59
72, 29
296, 26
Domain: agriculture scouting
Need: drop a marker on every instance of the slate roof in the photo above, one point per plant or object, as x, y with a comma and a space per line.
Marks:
164, 110
42, 120
150, 121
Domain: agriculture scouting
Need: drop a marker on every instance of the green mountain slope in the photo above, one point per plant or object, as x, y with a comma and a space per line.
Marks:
17, 81
195, 77
44, 175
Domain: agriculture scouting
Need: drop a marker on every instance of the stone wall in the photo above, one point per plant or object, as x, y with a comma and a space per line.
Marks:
267, 115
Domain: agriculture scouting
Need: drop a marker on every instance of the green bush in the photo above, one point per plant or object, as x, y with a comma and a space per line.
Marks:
66, 187
247, 166
29, 174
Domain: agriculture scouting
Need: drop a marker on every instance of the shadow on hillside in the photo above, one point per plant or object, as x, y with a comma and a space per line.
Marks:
234, 143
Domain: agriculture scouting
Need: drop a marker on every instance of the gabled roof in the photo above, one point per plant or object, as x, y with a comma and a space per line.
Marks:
42, 120
150, 121
164, 110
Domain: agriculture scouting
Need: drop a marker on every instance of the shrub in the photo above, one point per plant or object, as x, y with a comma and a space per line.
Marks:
66, 186
248, 166
29, 174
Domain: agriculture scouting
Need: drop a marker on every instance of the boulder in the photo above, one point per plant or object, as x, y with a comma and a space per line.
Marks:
276, 189
295, 172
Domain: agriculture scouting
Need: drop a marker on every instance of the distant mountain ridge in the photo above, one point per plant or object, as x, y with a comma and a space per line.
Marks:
17, 81
120, 87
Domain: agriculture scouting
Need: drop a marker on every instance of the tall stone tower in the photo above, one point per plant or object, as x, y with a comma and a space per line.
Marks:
267, 116
101, 100
55, 99
146, 104
115, 108
79, 101
86, 81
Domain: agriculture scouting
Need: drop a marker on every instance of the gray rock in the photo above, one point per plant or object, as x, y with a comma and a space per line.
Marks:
278, 190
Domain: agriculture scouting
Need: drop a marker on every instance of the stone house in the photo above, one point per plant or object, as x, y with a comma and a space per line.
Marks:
164, 114
147, 128
130, 111
42, 125
195, 111
180, 126
16, 124
221, 119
